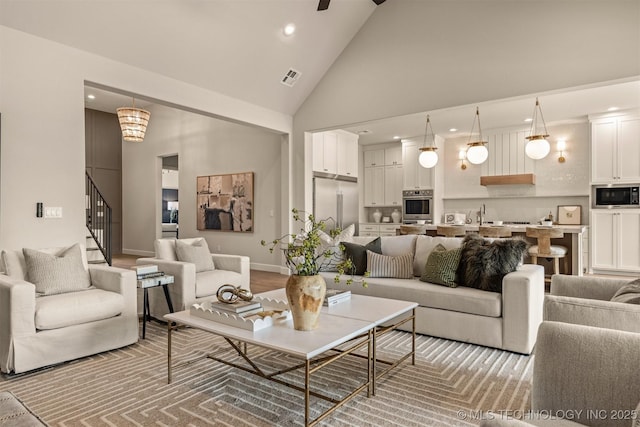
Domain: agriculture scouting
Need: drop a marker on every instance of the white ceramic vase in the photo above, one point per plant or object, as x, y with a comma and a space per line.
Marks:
395, 215
377, 215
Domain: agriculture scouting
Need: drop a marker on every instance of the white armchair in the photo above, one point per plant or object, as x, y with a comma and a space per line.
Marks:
190, 286
41, 330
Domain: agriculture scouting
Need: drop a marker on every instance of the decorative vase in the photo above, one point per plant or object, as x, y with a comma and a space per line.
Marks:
395, 215
305, 295
377, 215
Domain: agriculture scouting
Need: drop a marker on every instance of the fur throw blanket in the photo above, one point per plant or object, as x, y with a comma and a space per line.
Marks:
483, 264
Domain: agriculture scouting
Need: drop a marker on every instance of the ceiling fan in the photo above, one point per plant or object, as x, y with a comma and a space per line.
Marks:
324, 4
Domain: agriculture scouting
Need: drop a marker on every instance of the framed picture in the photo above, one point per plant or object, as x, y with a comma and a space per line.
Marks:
225, 202
449, 217
570, 215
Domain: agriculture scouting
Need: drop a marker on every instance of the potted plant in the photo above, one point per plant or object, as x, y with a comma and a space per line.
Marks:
305, 288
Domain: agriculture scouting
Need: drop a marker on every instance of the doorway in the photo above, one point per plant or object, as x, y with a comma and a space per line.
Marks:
170, 205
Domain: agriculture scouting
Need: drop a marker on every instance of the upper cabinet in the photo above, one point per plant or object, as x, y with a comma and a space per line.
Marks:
393, 156
414, 175
373, 158
615, 150
335, 152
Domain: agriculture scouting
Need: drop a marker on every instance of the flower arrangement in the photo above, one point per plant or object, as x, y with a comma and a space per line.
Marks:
302, 251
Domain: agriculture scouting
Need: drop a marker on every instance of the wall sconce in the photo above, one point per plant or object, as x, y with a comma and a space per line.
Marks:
562, 146
462, 155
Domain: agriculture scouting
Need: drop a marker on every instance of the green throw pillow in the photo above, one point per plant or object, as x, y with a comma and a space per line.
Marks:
441, 266
358, 254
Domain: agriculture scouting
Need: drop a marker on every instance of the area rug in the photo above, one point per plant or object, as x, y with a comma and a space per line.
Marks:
451, 384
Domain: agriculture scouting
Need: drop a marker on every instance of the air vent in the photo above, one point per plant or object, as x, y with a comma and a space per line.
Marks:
291, 77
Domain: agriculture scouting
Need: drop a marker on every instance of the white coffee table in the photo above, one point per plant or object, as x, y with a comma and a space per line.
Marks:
350, 328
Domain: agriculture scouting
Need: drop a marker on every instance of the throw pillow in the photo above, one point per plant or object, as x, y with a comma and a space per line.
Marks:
441, 266
629, 293
196, 253
483, 263
57, 274
358, 254
331, 246
399, 267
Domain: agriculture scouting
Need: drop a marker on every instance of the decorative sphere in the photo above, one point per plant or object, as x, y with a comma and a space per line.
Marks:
477, 154
537, 149
428, 159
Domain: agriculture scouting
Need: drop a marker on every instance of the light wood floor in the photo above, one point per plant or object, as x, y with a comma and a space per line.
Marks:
261, 281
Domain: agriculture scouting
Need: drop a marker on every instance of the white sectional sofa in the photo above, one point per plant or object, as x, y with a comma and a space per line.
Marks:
507, 320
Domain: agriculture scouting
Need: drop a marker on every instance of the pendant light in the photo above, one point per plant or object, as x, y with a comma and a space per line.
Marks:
477, 153
133, 122
428, 157
538, 147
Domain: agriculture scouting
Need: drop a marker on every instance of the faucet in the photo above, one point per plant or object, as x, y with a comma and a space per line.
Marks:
481, 213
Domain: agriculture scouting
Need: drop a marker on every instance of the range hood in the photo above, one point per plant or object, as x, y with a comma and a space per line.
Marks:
522, 179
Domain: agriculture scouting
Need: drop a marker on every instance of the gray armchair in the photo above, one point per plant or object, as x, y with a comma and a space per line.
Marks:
190, 286
582, 376
586, 301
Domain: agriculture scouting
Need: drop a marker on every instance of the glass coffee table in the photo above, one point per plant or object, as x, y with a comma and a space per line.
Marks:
344, 330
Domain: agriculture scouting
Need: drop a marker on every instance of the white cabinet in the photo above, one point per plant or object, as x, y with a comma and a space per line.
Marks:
335, 153
393, 181
614, 240
373, 158
393, 156
615, 150
377, 230
415, 176
347, 154
374, 186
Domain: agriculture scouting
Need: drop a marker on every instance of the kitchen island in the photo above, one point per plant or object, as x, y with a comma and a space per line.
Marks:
573, 240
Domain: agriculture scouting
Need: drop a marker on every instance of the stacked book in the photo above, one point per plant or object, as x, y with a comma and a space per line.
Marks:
238, 308
148, 275
335, 296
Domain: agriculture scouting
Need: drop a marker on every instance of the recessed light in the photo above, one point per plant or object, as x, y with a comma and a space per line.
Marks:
363, 132
90, 96
612, 108
453, 130
528, 119
289, 29
396, 137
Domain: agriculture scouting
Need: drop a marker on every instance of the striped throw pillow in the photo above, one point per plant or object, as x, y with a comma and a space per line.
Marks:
399, 267
441, 266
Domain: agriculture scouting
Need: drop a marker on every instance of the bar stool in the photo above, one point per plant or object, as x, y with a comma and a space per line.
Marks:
545, 249
493, 231
451, 230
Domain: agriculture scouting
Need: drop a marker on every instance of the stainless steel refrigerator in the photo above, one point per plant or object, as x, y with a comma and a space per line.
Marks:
336, 199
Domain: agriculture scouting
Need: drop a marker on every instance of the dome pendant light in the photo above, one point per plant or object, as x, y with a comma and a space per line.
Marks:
428, 157
538, 147
133, 122
477, 153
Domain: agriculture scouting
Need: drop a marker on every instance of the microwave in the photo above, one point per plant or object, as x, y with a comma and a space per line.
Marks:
616, 196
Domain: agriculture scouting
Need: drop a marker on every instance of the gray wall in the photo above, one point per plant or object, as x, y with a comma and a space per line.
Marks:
205, 146
414, 56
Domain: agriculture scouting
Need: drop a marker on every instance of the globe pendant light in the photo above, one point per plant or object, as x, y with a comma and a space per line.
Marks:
428, 157
133, 122
538, 147
477, 153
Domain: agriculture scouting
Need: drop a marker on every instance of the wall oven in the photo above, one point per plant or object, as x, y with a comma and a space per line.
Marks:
616, 196
417, 205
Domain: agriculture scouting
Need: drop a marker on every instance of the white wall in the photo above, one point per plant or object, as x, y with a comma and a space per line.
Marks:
42, 140
414, 56
205, 146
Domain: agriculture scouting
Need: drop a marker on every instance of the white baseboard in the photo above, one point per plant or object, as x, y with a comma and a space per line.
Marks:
138, 253
270, 268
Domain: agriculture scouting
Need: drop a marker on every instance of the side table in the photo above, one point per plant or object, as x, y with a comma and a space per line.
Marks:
153, 282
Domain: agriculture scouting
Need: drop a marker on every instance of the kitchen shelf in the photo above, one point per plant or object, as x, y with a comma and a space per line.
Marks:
521, 179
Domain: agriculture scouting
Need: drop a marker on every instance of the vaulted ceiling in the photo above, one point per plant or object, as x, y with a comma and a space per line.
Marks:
234, 47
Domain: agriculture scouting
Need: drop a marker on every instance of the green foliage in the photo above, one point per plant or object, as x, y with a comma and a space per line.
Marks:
302, 250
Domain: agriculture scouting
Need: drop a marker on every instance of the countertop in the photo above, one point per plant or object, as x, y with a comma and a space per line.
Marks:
517, 228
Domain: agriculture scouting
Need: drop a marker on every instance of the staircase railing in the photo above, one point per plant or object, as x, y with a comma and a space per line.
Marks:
99, 221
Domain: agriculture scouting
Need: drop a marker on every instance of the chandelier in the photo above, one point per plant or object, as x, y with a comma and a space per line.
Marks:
133, 122
428, 157
538, 147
